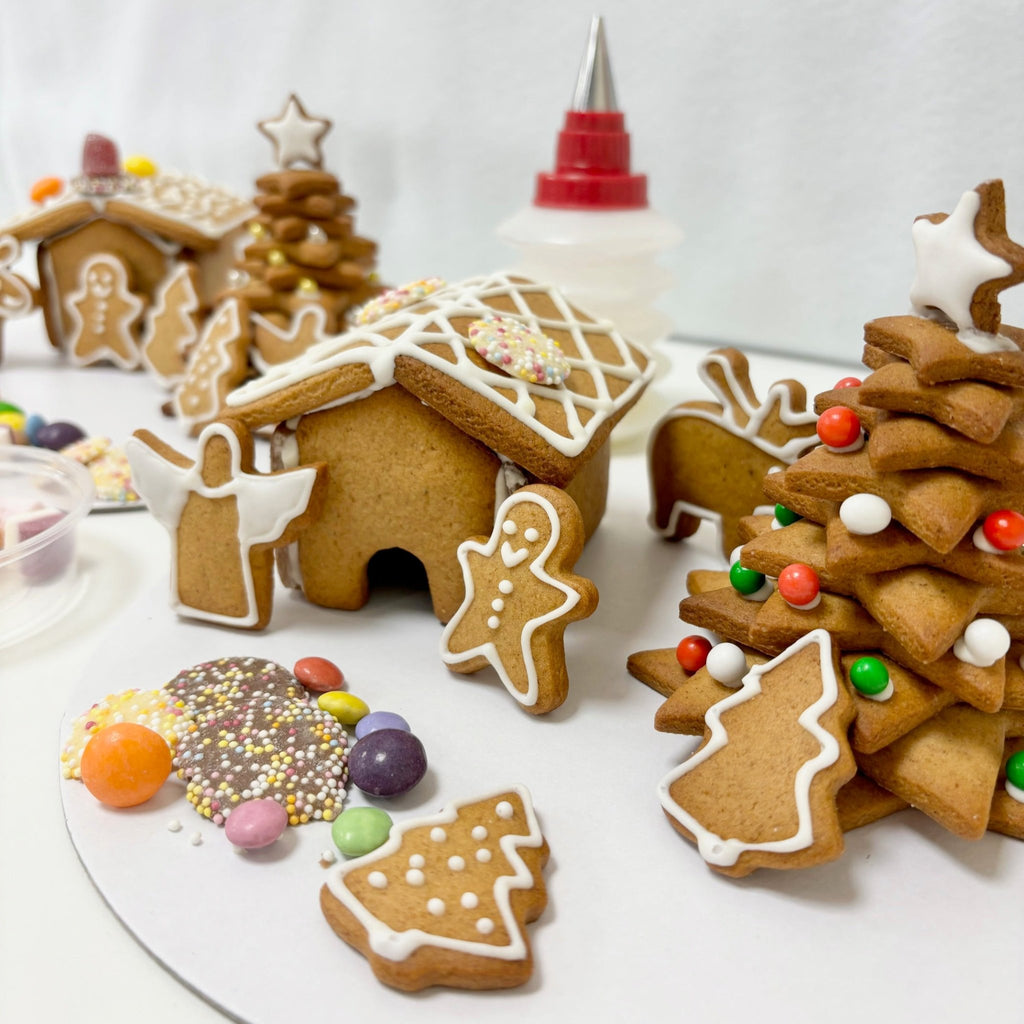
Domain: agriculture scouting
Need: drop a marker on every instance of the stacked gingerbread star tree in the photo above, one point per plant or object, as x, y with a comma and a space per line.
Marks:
302, 273
305, 268
901, 535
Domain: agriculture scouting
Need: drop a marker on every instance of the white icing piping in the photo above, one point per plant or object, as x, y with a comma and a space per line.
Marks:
468, 300
722, 850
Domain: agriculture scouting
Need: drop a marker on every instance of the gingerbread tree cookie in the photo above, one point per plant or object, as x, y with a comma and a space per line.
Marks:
172, 326
224, 520
445, 899
521, 595
707, 459
760, 791
902, 534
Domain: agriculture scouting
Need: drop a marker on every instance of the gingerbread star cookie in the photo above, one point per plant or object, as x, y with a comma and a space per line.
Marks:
521, 595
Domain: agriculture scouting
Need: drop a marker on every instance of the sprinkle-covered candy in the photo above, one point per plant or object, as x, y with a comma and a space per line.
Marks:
692, 652
397, 298
519, 351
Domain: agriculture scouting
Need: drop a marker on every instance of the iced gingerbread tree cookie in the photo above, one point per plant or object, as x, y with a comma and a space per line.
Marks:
707, 459
444, 901
902, 535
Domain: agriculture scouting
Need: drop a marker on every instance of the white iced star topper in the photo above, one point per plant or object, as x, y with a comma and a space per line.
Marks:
296, 136
952, 263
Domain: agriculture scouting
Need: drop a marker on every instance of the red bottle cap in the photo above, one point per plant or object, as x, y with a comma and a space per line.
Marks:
592, 158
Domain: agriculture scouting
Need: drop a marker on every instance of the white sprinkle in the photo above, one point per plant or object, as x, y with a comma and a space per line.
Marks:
196, 839
174, 825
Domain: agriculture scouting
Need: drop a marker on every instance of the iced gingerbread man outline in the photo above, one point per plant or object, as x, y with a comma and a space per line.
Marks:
269, 510
520, 595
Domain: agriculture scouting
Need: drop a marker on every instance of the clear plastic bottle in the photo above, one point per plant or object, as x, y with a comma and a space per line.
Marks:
590, 229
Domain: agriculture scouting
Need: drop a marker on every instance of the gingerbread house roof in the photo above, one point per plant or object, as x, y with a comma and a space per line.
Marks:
550, 430
182, 208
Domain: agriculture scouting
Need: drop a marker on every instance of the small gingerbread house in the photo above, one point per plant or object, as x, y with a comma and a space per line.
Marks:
109, 247
423, 437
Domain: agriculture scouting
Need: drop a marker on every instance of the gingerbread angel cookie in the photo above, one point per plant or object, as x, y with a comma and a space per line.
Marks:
224, 520
707, 460
520, 596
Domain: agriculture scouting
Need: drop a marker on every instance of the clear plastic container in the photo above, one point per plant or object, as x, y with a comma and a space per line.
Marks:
43, 497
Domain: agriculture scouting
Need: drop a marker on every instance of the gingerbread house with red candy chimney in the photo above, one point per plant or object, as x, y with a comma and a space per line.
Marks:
118, 253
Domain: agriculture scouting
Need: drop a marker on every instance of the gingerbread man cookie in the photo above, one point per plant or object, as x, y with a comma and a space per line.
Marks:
224, 520
520, 596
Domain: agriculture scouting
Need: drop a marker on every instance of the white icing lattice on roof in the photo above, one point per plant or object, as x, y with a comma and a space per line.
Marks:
208, 208
430, 323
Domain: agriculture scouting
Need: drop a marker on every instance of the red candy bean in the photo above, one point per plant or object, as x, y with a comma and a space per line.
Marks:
318, 675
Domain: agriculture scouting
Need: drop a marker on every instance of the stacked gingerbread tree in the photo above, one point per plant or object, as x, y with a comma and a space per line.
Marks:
901, 534
301, 274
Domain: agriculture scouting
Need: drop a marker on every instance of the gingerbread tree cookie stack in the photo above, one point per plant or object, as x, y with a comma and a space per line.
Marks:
901, 535
299, 277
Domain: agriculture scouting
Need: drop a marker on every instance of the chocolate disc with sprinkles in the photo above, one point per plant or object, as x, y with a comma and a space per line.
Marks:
232, 682
271, 746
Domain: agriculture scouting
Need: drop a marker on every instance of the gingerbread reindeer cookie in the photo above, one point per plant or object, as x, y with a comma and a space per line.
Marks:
520, 596
224, 520
707, 460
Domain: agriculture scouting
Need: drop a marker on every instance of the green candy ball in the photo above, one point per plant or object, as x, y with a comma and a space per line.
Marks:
1015, 769
360, 830
746, 581
869, 676
785, 516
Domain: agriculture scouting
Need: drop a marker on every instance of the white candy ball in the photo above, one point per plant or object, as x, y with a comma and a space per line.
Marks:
726, 664
865, 514
984, 642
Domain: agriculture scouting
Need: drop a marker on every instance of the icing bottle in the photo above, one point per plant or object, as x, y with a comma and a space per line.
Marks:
589, 229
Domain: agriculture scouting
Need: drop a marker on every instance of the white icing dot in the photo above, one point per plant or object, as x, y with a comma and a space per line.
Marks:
498, 605
1014, 791
726, 664
456, 863
981, 542
415, 877
505, 586
417, 860
494, 622
438, 834
531, 534
377, 879
865, 514
479, 833
509, 527
504, 810
435, 906
470, 900
483, 855
485, 926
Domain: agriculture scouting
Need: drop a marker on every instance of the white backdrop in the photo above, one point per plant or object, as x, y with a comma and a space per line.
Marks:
793, 141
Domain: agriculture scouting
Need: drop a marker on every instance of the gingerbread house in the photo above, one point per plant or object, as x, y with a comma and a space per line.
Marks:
109, 247
423, 437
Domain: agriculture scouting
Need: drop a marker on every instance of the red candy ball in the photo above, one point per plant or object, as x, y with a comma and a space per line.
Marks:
692, 652
1004, 529
318, 674
848, 382
838, 427
798, 584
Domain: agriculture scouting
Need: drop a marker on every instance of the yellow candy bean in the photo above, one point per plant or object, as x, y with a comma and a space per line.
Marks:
345, 707
140, 166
